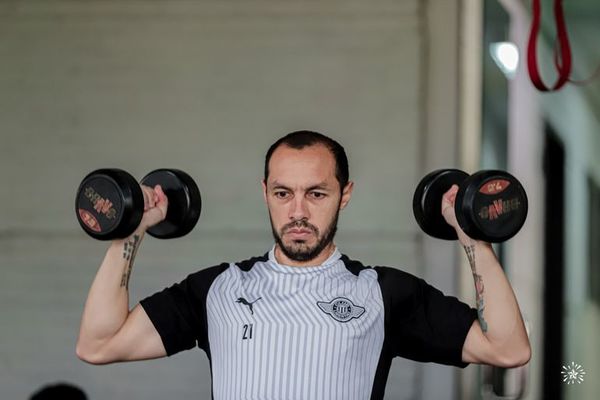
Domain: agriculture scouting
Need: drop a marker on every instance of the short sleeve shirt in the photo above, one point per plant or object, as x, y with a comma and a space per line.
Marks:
273, 331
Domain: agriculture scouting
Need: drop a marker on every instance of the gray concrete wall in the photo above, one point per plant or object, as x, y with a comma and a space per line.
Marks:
204, 86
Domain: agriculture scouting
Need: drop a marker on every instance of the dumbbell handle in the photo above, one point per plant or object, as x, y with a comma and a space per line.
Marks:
156, 205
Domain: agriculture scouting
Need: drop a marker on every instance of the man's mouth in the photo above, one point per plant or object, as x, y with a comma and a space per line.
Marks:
299, 233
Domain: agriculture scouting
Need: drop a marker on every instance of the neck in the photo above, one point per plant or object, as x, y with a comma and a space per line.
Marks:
281, 258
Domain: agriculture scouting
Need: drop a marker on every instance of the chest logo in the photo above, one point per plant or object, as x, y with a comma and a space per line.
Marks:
245, 302
341, 309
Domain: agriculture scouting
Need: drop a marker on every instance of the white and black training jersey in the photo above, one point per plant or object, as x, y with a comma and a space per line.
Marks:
273, 331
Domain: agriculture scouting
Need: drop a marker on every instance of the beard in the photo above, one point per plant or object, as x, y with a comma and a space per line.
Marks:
299, 250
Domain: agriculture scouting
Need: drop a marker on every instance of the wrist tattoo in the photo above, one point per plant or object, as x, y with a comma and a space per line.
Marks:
470, 250
129, 251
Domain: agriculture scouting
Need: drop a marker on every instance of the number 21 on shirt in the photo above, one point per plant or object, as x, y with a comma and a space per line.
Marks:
247, 331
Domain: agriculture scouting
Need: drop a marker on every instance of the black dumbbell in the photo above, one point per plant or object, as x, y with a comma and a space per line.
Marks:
490, 205
109, 203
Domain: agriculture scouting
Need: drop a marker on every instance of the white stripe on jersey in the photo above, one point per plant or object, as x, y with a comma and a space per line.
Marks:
270, 339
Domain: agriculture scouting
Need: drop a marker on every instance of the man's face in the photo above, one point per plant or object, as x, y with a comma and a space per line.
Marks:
304, 200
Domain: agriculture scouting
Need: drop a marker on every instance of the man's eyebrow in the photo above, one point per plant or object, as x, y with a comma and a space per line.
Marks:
277, 185
321, 185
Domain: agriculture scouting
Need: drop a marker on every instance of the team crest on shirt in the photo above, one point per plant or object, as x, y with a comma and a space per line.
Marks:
341, 309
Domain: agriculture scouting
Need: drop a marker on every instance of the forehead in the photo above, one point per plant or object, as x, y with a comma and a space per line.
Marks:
306, 166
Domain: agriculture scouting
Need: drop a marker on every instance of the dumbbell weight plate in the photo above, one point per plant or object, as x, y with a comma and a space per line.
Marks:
491, 206
427, 202
185, 203
109, 204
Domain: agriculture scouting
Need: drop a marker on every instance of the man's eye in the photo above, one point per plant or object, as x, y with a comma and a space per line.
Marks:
281, 195
318, 195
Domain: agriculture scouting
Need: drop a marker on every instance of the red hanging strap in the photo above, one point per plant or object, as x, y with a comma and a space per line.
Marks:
562, 50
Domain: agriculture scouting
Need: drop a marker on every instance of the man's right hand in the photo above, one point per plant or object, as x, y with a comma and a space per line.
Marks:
155, 206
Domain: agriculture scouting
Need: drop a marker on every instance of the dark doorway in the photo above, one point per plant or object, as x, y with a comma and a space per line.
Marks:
594, 241
554, 171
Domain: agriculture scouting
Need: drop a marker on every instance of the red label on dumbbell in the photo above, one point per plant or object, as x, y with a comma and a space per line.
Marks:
498, 208
101, 204
494, 187
89, 220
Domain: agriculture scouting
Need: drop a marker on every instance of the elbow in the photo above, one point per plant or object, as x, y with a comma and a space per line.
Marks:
516, 358
524, 357
90, 356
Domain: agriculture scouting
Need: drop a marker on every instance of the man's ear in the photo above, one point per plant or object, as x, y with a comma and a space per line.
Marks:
346, 194
264, 189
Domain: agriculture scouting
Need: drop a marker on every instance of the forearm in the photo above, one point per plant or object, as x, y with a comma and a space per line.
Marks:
107, 305
498, 311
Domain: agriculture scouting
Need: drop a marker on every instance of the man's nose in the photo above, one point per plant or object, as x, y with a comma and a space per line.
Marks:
299, 209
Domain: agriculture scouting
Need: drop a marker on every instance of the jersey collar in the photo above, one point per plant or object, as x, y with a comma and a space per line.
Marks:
333, 258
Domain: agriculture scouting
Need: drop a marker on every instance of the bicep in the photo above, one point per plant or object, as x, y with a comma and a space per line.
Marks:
137, 339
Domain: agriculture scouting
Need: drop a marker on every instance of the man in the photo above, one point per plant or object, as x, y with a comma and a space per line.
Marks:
302, 321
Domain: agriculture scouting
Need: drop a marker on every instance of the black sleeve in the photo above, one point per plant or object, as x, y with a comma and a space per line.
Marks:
422, 323
179, 311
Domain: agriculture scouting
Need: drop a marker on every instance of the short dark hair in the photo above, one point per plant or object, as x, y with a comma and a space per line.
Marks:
301, 139
61, 390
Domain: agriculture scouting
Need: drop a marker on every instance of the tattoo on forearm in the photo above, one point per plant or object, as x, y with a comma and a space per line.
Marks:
478, 287
129, 251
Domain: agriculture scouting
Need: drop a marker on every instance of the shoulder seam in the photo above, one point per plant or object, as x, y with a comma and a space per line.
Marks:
354, 266
246, 265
